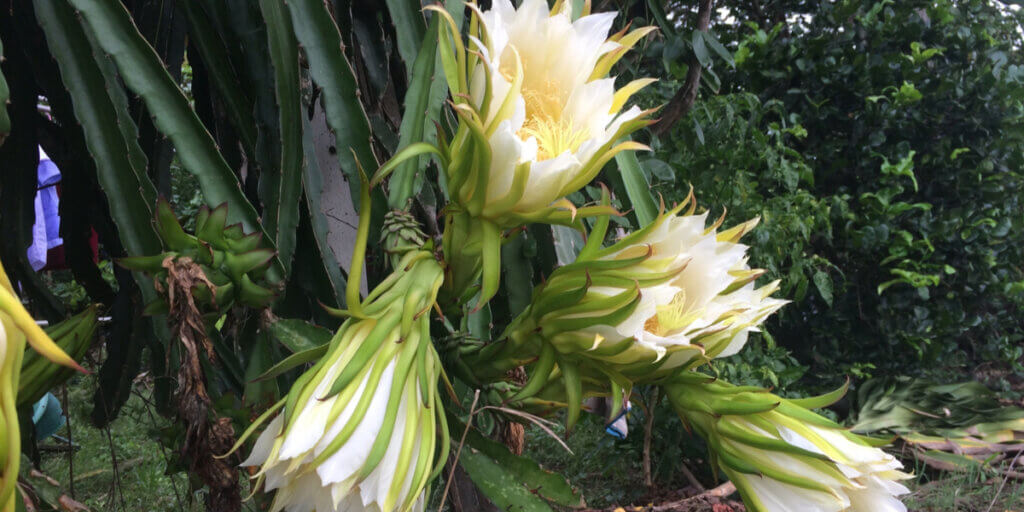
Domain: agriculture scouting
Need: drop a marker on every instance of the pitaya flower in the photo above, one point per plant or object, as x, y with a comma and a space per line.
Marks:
781, 456
359, 430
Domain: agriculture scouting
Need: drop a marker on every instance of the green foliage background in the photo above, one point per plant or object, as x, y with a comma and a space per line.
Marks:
882, 145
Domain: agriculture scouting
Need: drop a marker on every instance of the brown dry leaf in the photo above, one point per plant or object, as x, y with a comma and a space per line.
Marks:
69, 505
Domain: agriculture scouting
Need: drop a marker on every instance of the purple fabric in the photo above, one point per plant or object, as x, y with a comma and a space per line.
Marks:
46, 230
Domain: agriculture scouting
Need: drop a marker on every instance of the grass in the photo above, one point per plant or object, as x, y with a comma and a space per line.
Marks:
965, 492
138, 481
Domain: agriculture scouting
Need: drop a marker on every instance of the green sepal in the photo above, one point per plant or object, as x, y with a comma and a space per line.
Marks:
595, 306
399, 384
238, 265
825, 400
560, 325
150, 264
170, 230
540, 372
490, 255
245, 243
595, 239
746, 436
212, 230
364, 354
254, 295
292, 361
573, 392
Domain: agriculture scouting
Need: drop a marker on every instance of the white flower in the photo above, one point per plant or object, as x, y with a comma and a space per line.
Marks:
339, 481
359, 429
544, 104
867, 478
781, 456
695, 297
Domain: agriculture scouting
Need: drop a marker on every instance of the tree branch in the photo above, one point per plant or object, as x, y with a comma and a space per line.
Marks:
685, 97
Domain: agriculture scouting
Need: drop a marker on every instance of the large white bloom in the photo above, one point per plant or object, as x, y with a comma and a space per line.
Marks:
359, 429
548, 111
691, 296
783, 457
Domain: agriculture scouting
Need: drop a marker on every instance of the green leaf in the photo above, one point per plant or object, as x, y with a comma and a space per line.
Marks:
524, 472
718, 48
212, 46
407, 17
319, 37
5, 96
95, 111
660, 169
518, 277
313, 185
700, 48
637, 188
498, 484
299, 335
259, 391
568, 243
282, 216
824, 285
292, 361
143, 72
427, 90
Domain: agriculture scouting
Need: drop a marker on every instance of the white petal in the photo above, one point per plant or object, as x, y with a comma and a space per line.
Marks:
264, 443
779, 497
351, 456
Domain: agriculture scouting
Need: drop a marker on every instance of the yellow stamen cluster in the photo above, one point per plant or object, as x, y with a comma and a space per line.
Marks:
545, 112
670, 317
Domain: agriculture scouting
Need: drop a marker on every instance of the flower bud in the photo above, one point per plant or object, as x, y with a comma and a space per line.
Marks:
358, 430
783, 457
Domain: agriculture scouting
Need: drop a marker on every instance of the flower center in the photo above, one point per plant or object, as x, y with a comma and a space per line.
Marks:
669, 317
545, 113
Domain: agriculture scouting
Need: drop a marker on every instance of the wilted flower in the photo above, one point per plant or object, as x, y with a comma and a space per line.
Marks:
359, 429
783, 457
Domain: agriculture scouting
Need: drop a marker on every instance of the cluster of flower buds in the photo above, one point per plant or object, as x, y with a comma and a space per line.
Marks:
17, 326
783, 457
231, 260
359, 430
670, 296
